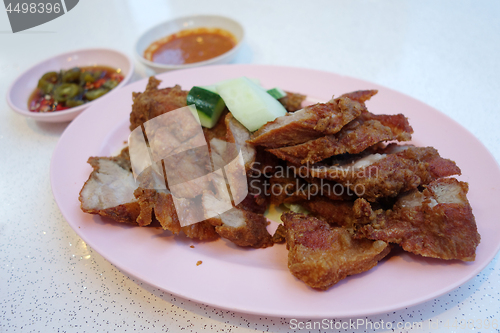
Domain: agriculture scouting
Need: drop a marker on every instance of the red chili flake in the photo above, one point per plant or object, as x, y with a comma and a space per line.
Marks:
99, 83
59, 107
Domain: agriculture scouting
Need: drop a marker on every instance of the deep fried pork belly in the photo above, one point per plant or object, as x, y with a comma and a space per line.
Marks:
317, 186
159, 204
310, 123
186, 173
365, 131
321, 255
387, 172
335, 212
241, 227
292, 101
280, 189
279, 235
109, 191
154, 102
360, 96
219, 130
238, 135
254, 202
436, 222
337, 144
223, 154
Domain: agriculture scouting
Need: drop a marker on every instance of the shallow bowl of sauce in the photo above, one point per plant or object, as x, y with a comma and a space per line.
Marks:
22, 91
189, 42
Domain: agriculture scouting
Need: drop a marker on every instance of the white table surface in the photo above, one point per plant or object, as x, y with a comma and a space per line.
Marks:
444, 53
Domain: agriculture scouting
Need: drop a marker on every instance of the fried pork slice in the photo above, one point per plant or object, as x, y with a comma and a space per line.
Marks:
238, 134
335, 212
219, 130
387, 172
187, 172
360, 95
237, 225
255, 201
437, 222
265, 164
321, 255
159, 204
279, 235
279, 189
365, 131
109, 191
292, 101
310, 123
323, 187
154, 102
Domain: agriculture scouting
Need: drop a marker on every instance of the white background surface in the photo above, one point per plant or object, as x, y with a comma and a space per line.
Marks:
444, 53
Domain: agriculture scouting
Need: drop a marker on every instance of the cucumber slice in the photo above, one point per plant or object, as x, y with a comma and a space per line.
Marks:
249, 103
209, 105
276, 93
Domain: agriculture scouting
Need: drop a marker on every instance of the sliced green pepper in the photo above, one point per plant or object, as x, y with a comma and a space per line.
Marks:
66, 91
47, 82
96, 93
72, 75
86, 77
111, 84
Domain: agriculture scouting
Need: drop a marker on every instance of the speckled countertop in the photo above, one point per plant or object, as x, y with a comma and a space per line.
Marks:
444, 53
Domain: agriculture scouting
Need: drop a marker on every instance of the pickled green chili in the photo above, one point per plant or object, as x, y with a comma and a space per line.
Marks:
66, 91
47, 82
74, 87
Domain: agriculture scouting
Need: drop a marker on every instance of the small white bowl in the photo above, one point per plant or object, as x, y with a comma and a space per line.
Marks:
189, 22
21, 89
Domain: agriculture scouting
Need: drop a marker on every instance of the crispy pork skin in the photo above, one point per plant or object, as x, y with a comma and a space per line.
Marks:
310, 123
360, 95
321, 255
292, 101
154, 102
436, 222
387, 172
240, 226
238, 135
363, 132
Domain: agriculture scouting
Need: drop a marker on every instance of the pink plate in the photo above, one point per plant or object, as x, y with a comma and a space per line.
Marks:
258, 281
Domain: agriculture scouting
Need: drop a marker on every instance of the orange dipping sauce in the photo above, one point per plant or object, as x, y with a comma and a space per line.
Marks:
190, 46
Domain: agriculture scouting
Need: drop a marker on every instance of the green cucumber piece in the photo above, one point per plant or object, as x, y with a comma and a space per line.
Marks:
251, 105
276, 93
209, 105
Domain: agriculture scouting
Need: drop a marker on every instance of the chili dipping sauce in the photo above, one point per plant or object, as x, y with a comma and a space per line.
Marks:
190, 46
